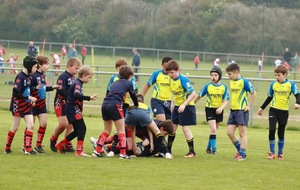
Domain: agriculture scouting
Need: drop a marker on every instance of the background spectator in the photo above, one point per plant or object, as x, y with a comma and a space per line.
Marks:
136, 61
32, 50
72, 52
83, 53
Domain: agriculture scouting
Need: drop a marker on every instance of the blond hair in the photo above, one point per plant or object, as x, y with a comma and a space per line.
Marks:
85, 70
73, 61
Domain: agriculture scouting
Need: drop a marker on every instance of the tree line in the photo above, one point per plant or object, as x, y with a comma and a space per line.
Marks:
228, 26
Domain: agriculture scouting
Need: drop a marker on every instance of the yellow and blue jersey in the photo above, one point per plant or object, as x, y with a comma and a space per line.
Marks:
117, 77
239, 89
216, 94
161, 85
181, 88
144, 107
280, 93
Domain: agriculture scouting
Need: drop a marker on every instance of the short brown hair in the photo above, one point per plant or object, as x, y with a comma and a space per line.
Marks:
73, 61
168, 126
85, 70
281, 69
172, 65
120, 62
125, 72
41, 60
233, 67
140, 98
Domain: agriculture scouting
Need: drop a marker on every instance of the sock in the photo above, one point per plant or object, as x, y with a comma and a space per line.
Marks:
109, 140
40, 137
10, 138
64, 142
122, 140
79, 147
53, 139
163, 143
242, 152
280, 146
101, 141
28, 140
208, 144
25, 130
69, 145
171, 139
213, 142
237, 145
115, 142
191, 145
272, 146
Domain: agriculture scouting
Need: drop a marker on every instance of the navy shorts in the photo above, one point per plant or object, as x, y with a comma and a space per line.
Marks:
138, 117
188, 117
211, 115
112, 112
73, 113
36, 110
238, 117
161, 107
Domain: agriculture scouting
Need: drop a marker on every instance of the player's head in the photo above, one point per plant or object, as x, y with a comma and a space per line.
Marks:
164, 62
42, 60
125, 72
29, 62
233, 71
73, 65
218, 71
85, 74
140, 98
120, 62
167, 127
281, 73
172, 68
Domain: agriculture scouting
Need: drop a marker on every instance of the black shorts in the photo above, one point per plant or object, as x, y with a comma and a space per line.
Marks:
36, 110
276, 115
211, 115
60, 110
161, 107
187, 117
112, 112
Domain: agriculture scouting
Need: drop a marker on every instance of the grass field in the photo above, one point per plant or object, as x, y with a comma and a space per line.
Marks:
54, 170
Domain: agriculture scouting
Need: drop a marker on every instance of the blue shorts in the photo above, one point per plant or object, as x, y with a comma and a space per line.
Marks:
36, 110
138, 117
188, 117
211, 115
238, 117
112, 112
161, 107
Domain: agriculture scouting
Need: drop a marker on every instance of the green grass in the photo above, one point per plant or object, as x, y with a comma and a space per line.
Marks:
54, 170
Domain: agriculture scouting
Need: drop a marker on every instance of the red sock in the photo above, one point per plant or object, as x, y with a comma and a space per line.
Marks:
79, 148
40, 137
122, 141
25, 130
28, 140
64, 142
69, 145
53, 138
10, 138
101, 141
109, 140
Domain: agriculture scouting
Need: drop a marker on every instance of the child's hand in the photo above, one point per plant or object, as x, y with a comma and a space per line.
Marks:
219, 111
94, 97
38, 86
260, 111
247, 108
181, 108
57, 87
297, 106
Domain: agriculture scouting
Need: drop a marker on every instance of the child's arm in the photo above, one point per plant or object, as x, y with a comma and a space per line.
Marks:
264, 105
133, 136
186, 102
220, 109
150, 139
297, 104
197, 99
251, 100
133, 96
145, 89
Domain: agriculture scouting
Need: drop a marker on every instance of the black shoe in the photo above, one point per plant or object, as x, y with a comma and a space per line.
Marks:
52, 146
208, 151
69, 149
8, 151
30, 152
40, 149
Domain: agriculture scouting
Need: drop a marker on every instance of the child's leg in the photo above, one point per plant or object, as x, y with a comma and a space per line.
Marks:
103, 136
189, 138
29, 133
281, 131
231, 134
243, 139
212, 137
42, 128
62, 125
80, 125
12, 131
120, 127
171, 138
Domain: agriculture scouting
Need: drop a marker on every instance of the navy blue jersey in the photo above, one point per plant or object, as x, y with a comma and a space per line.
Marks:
20, 104
75, 99
40, 94
65, 80
117, 93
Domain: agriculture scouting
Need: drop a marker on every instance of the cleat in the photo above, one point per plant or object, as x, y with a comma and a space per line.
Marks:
23, 149
97, 155
236, 155
214, 152
110, 154
105, 149
52, 146
168, 156
240, 158
159, 155
29, 152
280, 157
122, 156
190, 155
271, 156
208, 151
94, 142
60, 148
69, 149
83, 154
40, 149
7, 151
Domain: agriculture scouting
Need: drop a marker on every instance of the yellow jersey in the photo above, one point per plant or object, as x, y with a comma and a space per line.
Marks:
161, 85
181, 88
